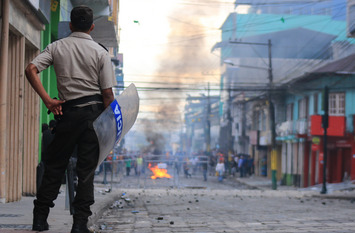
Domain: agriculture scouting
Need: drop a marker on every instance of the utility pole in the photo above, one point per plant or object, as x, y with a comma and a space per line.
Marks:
272, 123
229, 126
208, 125
325, 125
271, 111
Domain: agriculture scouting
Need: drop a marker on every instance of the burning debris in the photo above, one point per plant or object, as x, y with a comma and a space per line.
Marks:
159, 171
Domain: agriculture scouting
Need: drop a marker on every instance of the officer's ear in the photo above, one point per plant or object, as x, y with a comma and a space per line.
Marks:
92, 27
71, 27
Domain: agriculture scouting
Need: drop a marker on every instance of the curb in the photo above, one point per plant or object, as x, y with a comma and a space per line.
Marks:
102, 205
248, 185
339, 197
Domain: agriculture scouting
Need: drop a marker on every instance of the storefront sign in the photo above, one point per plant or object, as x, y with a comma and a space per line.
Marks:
315, 147
254, 137
316, 140
343, 143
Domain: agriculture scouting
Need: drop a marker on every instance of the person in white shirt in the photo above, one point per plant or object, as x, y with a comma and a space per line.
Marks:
220, 169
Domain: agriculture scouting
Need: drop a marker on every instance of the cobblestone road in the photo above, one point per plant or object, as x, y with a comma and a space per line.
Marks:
224, 208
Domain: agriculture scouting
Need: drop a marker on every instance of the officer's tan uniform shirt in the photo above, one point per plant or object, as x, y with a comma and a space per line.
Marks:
82, 66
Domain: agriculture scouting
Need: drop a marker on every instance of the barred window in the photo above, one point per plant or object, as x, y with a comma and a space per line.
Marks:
315, 103
289, 113
303, 108
337, 104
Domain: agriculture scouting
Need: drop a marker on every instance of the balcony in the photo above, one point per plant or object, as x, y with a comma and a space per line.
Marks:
337, 126
284, 129
302, 127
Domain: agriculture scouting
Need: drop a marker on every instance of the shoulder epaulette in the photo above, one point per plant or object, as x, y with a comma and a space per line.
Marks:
103, 46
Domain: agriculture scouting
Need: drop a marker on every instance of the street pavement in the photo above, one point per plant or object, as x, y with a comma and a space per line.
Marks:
236, 205
181, 210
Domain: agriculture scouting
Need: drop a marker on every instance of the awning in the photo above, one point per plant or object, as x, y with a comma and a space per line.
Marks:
344, 65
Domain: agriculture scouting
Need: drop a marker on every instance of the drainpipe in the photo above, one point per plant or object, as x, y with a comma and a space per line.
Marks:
3, 96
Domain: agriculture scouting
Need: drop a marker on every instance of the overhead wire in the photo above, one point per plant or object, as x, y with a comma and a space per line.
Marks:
196, 37
239, 88
204, 34
181, 78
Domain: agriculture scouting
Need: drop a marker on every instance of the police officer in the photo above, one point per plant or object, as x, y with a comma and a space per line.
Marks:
84, 80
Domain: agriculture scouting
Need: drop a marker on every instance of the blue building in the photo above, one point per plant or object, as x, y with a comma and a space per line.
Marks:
301, 133
334, 8
301, 41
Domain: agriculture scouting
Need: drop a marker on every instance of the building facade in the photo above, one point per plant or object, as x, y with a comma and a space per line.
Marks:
302, 134
252, 72
21, 25
27, 27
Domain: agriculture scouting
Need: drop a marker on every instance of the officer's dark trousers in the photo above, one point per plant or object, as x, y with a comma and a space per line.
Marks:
75, 128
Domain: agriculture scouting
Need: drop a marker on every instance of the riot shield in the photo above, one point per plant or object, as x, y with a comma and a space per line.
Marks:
116, 120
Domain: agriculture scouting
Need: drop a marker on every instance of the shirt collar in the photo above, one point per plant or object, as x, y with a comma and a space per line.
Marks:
81, 35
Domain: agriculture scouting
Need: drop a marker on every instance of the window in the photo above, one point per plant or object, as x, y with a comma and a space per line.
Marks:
289, 113
263, 118
337, 104
260, 119
315, 103
303, 108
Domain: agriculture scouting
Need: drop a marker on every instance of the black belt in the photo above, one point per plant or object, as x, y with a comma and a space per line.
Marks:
82, 100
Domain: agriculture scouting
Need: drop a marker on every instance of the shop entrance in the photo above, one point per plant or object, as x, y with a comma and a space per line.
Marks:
339, 165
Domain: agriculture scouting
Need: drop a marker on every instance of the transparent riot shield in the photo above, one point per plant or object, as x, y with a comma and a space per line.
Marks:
116, 120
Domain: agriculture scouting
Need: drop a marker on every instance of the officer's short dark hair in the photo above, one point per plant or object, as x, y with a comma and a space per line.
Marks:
81, 18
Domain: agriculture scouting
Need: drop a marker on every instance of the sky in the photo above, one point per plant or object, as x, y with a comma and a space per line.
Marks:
167, 44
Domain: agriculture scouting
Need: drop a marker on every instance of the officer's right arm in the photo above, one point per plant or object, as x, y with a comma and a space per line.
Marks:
41, 62
52, 104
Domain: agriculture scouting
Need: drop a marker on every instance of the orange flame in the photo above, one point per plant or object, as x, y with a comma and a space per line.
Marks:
158, 172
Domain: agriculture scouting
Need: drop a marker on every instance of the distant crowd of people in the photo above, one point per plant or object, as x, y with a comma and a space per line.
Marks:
212, 163
242, 164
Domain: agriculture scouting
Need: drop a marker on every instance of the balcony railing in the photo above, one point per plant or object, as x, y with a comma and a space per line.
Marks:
284, 129
302, 126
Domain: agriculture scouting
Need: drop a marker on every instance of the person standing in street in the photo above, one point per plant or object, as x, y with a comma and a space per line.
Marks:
220, 169
139, 165
128, 162
85, 79
241, 165
204, 164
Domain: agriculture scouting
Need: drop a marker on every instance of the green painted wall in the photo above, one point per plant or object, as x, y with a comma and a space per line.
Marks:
48, 77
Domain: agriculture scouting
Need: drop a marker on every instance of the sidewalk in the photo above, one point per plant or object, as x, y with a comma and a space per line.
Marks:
16, 217
344, 190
